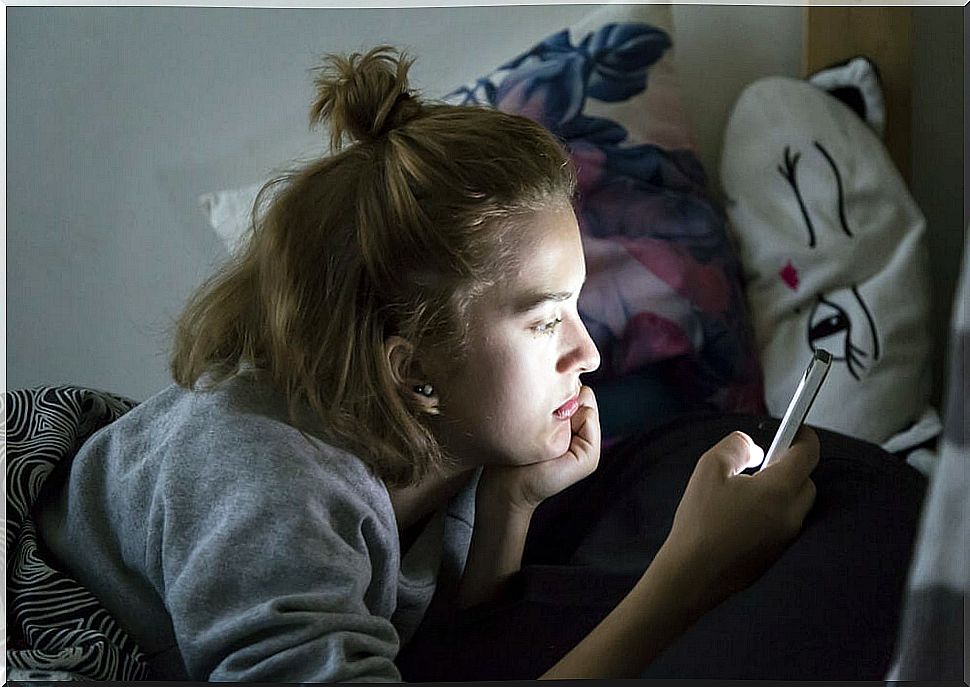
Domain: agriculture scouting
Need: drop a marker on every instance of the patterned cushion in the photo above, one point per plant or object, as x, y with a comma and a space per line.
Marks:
834, 255
56, 628
663, 298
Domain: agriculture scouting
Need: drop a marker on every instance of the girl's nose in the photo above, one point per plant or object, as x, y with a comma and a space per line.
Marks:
582, 354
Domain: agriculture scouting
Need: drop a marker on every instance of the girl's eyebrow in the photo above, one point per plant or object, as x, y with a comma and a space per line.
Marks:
532, 300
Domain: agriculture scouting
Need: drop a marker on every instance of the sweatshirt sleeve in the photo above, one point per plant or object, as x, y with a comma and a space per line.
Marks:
276, 566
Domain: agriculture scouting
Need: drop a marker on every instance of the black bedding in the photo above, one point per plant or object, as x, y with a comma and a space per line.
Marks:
828, 609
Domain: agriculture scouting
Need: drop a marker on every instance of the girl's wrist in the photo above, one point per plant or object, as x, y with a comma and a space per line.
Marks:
498, 505
497, 499
495, 552
686, 578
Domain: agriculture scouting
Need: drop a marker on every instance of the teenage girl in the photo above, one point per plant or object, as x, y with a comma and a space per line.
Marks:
398, 341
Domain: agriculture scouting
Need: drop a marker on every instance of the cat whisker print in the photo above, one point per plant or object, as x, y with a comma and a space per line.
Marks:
788, 172
852, 361
843, 325
859, 351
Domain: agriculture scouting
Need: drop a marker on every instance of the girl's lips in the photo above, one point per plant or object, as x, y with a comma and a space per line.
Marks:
567, 409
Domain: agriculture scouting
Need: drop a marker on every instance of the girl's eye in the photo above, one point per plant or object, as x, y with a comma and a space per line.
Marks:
547, 327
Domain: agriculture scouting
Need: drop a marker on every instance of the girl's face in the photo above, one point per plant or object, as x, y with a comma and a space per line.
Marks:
511, 400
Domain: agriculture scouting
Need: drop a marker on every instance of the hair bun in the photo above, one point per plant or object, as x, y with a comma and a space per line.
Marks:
363, 96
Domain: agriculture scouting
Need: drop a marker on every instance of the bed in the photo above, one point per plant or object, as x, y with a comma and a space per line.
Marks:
715, 342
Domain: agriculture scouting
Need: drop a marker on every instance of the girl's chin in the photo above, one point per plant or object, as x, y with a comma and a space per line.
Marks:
555, 445
561, 439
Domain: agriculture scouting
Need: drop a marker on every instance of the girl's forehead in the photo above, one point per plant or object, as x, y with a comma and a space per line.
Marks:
549, 262
550, 244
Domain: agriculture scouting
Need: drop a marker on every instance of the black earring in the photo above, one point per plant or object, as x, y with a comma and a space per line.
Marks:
424, 390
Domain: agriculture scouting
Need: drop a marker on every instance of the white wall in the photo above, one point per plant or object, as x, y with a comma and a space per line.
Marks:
118, 118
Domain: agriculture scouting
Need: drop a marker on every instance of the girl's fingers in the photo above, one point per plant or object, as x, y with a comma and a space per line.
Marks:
586, 437
586, 428
803, 503
587, 397
732, 454
583, 448
586, 420
799, 461
756, 454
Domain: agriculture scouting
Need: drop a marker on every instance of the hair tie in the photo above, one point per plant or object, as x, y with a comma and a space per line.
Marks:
392, 114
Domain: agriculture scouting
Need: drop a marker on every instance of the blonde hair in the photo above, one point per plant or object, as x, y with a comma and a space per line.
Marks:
394, 234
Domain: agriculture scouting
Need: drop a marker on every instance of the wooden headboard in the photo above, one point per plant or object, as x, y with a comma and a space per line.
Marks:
884, 35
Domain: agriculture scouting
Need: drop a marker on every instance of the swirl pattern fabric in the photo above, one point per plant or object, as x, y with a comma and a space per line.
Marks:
55, 625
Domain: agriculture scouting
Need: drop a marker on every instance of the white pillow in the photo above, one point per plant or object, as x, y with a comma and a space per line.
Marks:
832, 249
229, 213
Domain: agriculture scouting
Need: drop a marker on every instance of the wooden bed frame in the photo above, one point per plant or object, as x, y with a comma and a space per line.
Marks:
883, 34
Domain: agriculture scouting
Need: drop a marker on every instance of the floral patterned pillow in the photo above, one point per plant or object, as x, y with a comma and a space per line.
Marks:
663, 298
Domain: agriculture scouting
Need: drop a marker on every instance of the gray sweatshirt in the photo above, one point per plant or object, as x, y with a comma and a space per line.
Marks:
232, 548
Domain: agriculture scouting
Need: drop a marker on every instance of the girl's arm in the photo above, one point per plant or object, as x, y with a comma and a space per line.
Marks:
662, 605
727, 529
508, 495
495, 552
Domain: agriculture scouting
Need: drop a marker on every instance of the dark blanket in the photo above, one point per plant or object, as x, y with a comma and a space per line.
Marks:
56, 628
828, 609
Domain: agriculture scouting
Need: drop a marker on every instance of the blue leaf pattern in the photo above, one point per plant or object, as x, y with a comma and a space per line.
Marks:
550, 91
598, 130
621, 55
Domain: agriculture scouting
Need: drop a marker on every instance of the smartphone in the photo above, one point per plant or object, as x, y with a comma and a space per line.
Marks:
801, 402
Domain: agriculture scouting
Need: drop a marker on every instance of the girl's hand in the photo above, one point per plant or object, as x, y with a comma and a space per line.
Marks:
507, 496
729, 527
523, 487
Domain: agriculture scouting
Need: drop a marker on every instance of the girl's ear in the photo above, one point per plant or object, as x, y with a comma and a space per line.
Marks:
408, 375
